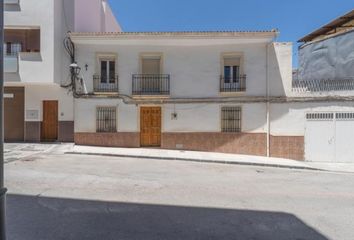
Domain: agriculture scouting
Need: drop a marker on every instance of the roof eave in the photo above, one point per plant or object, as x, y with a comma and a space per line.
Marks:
172, 35
329, 26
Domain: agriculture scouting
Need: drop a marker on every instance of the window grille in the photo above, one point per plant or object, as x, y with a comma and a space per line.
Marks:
320, 116
231, 119
106, 119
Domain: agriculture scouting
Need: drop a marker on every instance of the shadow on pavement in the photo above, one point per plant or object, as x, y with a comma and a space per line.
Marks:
42, 218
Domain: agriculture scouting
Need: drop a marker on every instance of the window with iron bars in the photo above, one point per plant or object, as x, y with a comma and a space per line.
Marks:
231, 119
106, 119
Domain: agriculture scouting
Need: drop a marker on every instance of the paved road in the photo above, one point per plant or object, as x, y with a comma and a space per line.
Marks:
55, 196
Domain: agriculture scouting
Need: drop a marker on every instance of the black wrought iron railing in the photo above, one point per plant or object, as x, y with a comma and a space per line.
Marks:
233, 84
105, 84
323, 85
151, 84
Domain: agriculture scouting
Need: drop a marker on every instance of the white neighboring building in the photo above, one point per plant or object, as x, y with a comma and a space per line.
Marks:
326, 81
37, 108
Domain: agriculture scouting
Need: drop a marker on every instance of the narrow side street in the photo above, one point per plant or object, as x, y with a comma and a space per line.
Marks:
60, 196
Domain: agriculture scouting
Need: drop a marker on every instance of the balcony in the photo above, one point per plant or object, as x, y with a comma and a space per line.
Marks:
103, 84
11, 1
151, 84
17, 41
232, 85
11, 63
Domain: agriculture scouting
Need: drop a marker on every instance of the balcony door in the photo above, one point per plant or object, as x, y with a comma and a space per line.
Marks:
232, 73
108, 77
151, 65
151, 74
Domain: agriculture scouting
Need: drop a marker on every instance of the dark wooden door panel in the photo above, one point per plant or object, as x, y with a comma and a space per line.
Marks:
50, 121
14, 114
150, 126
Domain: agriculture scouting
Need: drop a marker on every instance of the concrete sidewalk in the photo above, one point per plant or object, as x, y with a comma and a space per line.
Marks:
192, 156
27, 151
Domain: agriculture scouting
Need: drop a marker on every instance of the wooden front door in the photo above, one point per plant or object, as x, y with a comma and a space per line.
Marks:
50, 121
150, 126
14, 114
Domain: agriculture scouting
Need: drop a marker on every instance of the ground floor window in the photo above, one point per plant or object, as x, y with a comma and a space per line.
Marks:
231, 119
106, 119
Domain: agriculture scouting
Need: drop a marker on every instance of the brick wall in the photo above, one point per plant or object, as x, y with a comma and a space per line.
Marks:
239, 143
291, 147
108, 139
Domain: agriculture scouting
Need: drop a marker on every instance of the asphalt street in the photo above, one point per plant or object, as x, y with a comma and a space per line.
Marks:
60, 196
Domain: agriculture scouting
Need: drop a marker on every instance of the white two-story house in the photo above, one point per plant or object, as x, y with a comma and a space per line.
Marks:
37, 106
228, 92
183, 90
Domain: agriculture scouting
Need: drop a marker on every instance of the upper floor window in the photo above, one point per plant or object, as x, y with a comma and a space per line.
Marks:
108, 70
232, 69
151, 64
106, 78
22, 40
151, 80
232, 78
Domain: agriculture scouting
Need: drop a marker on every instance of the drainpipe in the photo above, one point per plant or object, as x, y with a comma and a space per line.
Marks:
2, 187
267, 98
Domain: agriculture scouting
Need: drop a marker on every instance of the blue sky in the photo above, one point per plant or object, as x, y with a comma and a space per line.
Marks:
293, 18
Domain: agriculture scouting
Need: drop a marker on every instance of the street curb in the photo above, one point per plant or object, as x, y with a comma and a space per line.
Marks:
197, 160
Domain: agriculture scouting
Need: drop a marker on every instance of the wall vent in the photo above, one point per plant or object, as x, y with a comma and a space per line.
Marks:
320, 116
330, 116
345, 116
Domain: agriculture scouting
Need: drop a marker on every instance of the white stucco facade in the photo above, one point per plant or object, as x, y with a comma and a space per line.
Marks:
193, 64
290, 119
191, 117
191, 114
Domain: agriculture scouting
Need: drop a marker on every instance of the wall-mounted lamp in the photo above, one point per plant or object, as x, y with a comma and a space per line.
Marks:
75, 68
86, 67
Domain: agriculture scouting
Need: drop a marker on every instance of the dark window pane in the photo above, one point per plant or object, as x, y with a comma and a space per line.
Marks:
227, 74
112, 71
236, 74
103, 71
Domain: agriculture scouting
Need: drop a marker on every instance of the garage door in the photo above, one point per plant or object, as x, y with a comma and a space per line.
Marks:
328, 137
14, 117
